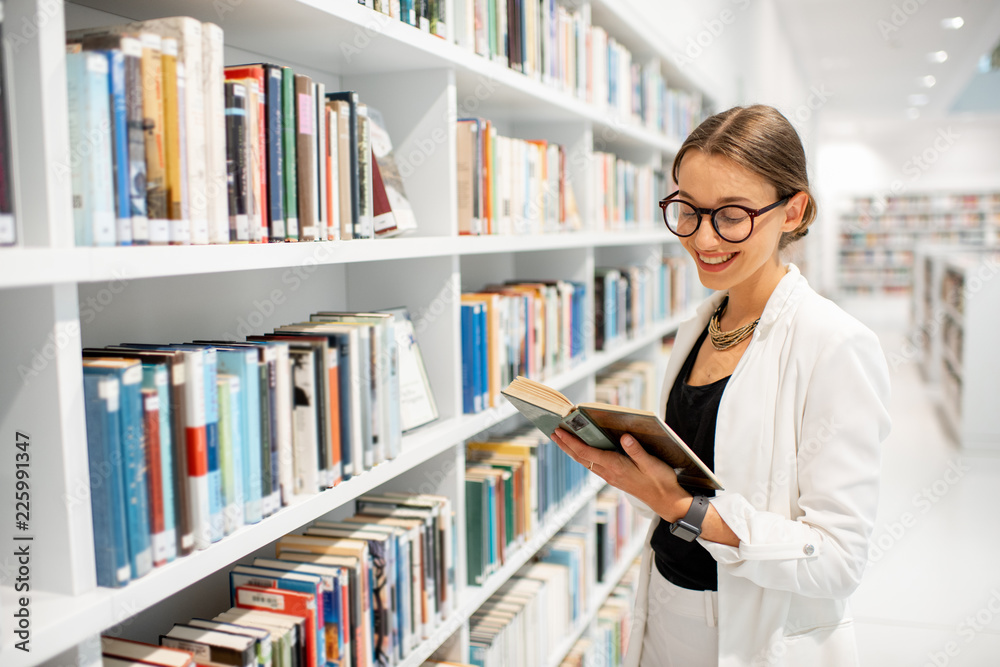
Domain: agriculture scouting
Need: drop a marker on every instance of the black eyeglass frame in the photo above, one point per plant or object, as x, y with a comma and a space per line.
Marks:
711, 212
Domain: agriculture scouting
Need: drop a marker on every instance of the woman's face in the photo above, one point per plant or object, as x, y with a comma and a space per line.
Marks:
710, 181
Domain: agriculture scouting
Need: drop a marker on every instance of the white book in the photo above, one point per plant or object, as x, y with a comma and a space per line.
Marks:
214, 146
319, 161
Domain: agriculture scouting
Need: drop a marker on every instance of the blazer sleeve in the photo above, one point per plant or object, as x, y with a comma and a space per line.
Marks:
823, 551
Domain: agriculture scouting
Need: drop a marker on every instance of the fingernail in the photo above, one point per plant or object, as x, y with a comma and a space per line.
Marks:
628, 440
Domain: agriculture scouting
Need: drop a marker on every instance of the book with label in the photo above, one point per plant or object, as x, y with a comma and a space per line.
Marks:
601, 425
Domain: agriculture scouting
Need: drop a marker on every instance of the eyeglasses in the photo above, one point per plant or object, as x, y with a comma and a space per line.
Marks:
733, 223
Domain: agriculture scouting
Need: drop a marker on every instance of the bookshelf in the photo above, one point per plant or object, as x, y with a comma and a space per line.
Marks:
878, 237
970, 301
56, 298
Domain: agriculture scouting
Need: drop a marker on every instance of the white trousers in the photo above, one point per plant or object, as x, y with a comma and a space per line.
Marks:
682, 626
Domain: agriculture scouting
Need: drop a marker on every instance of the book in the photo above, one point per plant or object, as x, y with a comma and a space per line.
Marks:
288, 602
416, 397
88, 94
210, 646
352, 173
305, 155
107, 497
388, 182
344, 165
237, 162
602, 425
145, 653
288, 146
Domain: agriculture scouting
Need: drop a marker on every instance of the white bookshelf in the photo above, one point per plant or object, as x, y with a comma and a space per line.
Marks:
969, 360
56, 299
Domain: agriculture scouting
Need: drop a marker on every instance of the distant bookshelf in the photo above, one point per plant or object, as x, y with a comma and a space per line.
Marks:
878, 236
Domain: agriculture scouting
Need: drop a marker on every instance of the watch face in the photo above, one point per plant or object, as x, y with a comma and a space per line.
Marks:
684, 530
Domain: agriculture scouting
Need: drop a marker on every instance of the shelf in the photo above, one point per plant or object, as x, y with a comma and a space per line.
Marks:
27, 267
62, 621
349, 38
599, 595
477, 595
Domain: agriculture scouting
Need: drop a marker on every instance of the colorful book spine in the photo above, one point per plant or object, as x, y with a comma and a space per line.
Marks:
236, 162
288, 136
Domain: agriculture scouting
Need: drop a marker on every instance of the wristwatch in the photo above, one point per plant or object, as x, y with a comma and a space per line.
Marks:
689, 527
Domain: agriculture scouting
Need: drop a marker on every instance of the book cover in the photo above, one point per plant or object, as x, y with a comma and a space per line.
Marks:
231, 451
416, 397
332, 160
175, 149
215, 133
289, 148
209, 646
601, 425
319, 159
119, 145
145, 653
354, 162
392, 181
286, 602
128, 373
263, 650
156, 379
102, 404
305, 151
255, 206
286, 631
243, 364
154, 469
88, 95
187, 34
344, 165
237, 165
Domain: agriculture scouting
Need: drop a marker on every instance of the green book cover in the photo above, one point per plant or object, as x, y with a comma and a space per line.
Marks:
475, 526
288, 117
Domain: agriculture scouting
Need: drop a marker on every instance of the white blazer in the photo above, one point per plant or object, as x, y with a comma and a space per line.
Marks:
797, 448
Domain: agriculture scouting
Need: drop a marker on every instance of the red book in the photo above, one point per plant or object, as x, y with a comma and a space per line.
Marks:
282, 601
256, 72
154, 471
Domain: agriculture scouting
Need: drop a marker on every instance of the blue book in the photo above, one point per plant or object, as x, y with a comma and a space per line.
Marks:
88, 94
215, 505
155, 376
482, 355
120, 145
107, 495
133, 458
231, 450
243, 363
468, 359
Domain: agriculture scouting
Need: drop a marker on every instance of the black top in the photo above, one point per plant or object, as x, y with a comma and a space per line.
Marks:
692, 413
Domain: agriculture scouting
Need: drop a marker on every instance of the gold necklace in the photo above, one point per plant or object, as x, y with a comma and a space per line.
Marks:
723, 340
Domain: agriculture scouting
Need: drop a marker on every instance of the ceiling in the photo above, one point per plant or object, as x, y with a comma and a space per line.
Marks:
872, 55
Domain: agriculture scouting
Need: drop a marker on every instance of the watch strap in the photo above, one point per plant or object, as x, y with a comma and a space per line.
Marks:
689, 527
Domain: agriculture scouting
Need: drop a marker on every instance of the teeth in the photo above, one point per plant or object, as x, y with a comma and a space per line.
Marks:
716, 260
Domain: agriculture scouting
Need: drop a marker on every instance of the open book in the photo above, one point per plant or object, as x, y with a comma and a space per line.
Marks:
602, 425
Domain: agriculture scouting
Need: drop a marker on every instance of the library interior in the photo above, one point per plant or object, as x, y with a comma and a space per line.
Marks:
294, 295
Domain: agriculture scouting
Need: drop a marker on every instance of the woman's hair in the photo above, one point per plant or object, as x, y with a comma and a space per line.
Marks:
761, 140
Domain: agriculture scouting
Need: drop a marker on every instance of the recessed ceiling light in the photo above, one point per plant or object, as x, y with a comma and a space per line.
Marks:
913, 113
927, 81
937, 56
954, 23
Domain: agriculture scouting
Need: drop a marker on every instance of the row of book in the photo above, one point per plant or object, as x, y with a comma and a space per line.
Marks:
359, 592
943, 202
548, 598
559, 46
628, 300
168, 146
533, 329
513, 483
511, 186
189, 442
606, 640
625, 194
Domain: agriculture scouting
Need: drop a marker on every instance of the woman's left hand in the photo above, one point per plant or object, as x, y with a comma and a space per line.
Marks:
639, 474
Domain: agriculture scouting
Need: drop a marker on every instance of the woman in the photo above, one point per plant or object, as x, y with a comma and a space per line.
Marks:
784, 395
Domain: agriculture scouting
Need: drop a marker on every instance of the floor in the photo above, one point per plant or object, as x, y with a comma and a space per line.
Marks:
931, 594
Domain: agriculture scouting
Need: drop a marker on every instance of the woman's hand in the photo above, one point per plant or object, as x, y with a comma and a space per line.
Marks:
639, 474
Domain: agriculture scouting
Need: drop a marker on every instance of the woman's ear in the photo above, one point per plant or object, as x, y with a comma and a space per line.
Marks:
795, 209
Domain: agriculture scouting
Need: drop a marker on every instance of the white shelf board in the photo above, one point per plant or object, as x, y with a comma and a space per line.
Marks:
598, 597
27, 267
